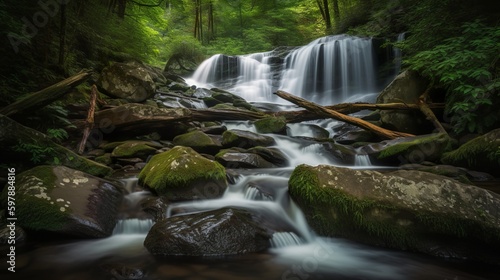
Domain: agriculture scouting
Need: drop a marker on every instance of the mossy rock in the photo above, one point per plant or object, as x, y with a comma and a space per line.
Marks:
407, 210
198, 140
271, 125
104, 159
133, 149
182, 174
65, 201
20, 143
416, 149
481, 153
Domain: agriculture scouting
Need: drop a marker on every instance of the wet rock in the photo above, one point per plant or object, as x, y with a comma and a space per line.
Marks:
47, 151
219, 232
156, 207
406, 87
65, 201
245, 139
199, 141
131, 82
182, 174
272, 155
5, 233
481, 153
408, 210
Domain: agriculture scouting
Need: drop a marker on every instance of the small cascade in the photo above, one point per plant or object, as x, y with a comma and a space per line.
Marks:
253, 193
398, 54
133, 226
285, 239
362, 160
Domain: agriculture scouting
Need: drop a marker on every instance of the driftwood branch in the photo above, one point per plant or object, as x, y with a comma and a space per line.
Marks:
45, 96
320, 110
89, 123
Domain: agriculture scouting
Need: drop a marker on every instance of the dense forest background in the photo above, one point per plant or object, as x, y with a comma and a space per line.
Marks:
455, 43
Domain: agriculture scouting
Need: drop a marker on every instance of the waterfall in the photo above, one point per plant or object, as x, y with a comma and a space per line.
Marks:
327, 71
284, 239
362, 160
133, 226
398, 54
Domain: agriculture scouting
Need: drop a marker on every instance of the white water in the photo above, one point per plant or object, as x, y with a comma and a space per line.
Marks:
327, 71
362, 160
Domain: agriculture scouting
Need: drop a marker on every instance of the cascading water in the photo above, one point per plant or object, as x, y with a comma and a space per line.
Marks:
326, 71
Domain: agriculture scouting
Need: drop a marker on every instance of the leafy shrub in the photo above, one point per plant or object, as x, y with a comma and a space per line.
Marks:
467, 67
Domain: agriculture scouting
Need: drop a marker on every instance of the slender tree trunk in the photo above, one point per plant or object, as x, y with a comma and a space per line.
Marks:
201, 22
336, 11
122, 5
62, 34
328, 19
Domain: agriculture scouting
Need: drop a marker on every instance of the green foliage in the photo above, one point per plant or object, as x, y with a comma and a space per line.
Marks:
467, 67
38, 153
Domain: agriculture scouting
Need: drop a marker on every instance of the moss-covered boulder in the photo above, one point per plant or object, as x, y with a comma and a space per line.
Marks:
408, 210
219, 96
271, 125
133, 149
182, 174
218, 232
245, 139
199, 141
19, 144
481, 153
410, 149
65, 201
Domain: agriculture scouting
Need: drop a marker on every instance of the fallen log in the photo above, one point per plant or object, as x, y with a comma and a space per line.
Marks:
320, 110
45, 96
89, 122
424, 108
350, 108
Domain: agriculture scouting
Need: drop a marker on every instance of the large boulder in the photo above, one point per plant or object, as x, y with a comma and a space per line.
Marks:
408, 210
128, 81
18, 143
182, 174
481, 153
224, 231
65, 201
271, 125
407, 88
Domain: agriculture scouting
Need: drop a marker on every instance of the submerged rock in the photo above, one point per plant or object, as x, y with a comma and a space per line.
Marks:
224, 231
242, 160
481, 153
408, 210
65, 201
182, 174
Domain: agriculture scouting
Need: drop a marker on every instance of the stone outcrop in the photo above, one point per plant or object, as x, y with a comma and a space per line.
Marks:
129, 81
406, 87
408, 210
65, 201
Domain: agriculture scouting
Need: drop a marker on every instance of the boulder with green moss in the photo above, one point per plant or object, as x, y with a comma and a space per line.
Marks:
481, 153
65, 201
408, 210
271, 125
19, 143
182, 174
199, 141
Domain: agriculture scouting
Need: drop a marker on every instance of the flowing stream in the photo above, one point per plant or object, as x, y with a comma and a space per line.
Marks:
328, 70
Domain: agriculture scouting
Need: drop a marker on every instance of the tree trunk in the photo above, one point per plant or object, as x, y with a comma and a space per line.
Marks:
424, 107
336, 11
45, 96
320, 110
